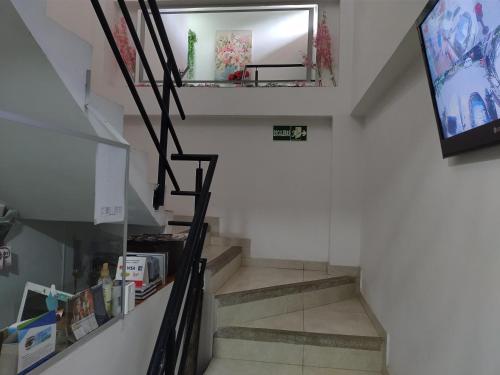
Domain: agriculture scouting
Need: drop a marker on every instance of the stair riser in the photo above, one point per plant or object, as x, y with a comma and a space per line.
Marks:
220, 241
215, 281
245, 312
294, 354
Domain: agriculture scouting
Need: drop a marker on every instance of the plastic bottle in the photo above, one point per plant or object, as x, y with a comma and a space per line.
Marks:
107, 287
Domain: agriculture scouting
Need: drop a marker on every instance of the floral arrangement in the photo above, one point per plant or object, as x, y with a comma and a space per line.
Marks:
238, 75
127, 51
324, 56
232, 52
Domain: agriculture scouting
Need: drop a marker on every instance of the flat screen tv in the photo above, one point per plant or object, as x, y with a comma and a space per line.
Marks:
461, 46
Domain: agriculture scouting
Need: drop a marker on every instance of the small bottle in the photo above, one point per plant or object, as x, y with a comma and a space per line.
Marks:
107, 287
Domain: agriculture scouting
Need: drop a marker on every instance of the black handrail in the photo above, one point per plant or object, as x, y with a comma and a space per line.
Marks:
172, 343
153, 6
257, 66
163, 62
133, 90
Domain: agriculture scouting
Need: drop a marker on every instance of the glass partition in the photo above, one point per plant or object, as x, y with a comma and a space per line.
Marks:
57, 268
245, 46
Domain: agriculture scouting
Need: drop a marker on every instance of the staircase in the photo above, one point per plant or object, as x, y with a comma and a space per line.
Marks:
258, 320
176, 346
291, 321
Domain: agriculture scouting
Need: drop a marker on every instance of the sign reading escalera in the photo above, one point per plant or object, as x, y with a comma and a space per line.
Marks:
289, 133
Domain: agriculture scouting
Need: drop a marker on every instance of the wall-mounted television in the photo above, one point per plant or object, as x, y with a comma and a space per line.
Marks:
461, 46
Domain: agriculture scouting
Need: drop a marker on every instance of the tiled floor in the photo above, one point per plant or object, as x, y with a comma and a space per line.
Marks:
346, 318
220, 366
248, 278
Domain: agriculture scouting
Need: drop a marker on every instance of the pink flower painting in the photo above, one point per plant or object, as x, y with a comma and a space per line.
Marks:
233, 50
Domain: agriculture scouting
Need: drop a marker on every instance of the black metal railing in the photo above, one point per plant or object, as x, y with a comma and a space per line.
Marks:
257, 66
172, 345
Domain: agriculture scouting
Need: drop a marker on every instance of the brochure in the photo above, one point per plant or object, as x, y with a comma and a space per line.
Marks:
36, 341
82, 314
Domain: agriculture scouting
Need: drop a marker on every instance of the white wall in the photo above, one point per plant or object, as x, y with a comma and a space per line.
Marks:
124, 348
275, 193
430, 254
380, 25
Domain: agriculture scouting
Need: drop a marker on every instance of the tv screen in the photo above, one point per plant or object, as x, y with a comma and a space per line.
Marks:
461, 44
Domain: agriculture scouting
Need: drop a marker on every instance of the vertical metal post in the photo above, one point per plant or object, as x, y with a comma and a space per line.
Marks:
170, 355
256, 77
159, 194
199, 183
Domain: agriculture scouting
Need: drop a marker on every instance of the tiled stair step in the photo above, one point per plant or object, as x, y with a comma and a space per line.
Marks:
240, 307
222, 262
220, 255
222, 366
300, 348
245, 296
219, 240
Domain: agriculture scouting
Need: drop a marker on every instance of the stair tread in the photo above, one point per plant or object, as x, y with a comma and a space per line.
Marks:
254, 278
223, 366
346, 317
258, 283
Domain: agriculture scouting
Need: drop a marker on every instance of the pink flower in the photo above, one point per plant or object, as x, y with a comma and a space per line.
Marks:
127, 51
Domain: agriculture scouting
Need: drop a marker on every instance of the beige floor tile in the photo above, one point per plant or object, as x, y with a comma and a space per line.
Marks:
342, 358
273, 263
351, 305
326, 296
331, 371
246, 312
220, 366
315, 275
248, 278
315, 266
289, 322
325, 319
274, 352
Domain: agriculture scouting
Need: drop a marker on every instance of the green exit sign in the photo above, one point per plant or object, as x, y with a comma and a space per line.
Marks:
289, 133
